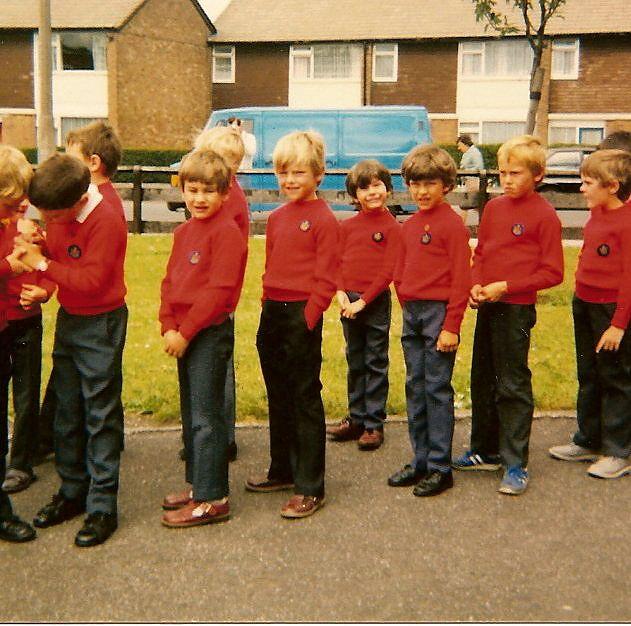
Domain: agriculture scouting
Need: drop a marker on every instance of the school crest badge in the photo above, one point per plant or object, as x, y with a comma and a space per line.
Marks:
194, 257
426, 238
305, 226
378, 237
603, 249
517, 230
74, 251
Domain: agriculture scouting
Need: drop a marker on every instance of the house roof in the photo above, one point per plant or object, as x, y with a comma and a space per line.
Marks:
113, 14
348, 20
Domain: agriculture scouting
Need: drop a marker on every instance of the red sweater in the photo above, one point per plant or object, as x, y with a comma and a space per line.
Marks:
435, 262
519, 241
204, 275
604, 266
301, 256
110, 195
87, 261
369, 245
236, 206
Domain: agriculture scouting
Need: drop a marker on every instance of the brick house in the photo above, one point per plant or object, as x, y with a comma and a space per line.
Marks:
338, 53
142, 64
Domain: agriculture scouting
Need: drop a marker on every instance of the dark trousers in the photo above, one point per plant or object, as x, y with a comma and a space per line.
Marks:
603, 405
428, 391
501, 389
26, 365
5, 375
202, 377
367, 338
47, 415
291, 359
87, 359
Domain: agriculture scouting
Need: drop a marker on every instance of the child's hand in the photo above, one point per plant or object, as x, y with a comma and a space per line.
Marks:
174, 344
342, 299
30, 253
447, 341
493, 291
16, 262
354, 308
610, 339
474, 295
32, 294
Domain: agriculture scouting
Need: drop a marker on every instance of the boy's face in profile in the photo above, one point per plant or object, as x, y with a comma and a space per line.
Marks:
517, 179
600, 194
373, 197
202, 199
427, 192
10, 206
298, 182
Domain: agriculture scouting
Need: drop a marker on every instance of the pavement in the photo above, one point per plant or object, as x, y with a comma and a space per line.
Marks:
560, 552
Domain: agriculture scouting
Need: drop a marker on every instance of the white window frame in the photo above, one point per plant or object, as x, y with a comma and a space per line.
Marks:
302, 51
394, 53
224, 55
576, 126
565, 44
478, 48
57, 57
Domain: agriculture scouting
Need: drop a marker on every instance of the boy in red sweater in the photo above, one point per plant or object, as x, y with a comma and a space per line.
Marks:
86, 243
298, 284
432, 278
25, 293
519, 252
601, 309
369, 244
15, 175
198, 296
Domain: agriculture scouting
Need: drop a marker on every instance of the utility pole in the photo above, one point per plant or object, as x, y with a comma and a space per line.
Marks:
45, 127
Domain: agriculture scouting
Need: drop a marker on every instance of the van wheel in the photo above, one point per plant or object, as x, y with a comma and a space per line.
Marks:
175, 206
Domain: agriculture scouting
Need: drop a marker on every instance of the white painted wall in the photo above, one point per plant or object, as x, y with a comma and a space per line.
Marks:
492, 99
80, 94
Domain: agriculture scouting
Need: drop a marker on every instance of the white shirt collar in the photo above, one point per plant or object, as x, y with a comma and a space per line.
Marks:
94, 197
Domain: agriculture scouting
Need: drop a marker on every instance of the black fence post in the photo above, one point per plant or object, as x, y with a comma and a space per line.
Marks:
136, 196
483, 192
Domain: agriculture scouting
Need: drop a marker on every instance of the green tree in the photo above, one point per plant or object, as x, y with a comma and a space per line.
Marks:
536, 15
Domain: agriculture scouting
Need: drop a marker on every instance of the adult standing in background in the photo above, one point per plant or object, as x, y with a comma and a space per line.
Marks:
249, 142
471, 159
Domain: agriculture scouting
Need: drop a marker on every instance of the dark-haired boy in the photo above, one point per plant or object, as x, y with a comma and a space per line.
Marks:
369, 244
86, 243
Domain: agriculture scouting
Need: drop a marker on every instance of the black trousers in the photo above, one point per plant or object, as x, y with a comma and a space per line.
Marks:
26, 366
367, 338
87, 358
291, 359
5, 376
603, 404
501, 389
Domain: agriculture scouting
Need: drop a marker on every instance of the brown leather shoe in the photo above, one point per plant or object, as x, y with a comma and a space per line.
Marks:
346, 430
174, 501
301, 506
263, 484
371, 439
196, 514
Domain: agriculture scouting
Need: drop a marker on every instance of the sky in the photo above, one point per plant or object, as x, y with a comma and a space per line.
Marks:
214, 7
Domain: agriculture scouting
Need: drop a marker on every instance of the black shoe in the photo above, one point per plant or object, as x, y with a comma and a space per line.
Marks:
58, 510
17, 480
434, 483
97, 528
15, 530
232, 452
405, 477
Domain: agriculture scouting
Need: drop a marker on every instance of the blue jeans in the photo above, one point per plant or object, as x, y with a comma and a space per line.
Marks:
428, 391
202, 376
367, 357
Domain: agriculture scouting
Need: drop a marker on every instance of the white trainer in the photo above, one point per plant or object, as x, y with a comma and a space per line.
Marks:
610, 467
572, 452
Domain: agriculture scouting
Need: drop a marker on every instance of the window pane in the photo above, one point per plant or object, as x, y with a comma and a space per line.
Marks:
332, 61
385, 47
508, 58
384, 66
223, 68
99, 46
471, 64
499, 132
70, 123
302, 67
562, 134
76, 51
590, 136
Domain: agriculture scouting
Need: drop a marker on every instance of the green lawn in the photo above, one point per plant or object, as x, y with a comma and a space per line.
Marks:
150, 379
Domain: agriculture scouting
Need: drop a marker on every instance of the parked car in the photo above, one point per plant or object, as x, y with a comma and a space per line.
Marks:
561, 161
386, 133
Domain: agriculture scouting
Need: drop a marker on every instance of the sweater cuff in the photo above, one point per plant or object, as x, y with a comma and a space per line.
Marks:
312, 314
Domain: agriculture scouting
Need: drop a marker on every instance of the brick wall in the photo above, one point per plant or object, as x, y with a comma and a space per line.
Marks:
261, 77
16, 69
159, 76
604, 78
18, 130
427, 75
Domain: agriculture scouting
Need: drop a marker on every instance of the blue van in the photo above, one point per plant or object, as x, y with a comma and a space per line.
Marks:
385, 133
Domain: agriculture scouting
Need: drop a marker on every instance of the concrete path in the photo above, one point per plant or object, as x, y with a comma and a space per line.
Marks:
561, 552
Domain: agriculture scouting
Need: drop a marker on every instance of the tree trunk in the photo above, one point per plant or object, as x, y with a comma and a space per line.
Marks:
536, 84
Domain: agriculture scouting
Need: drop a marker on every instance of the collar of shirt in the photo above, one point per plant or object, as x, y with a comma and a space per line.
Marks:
94, 197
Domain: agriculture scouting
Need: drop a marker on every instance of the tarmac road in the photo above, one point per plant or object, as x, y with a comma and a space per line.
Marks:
560, 552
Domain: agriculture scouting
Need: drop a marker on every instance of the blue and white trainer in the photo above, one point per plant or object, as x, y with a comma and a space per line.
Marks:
514, 481
477, 462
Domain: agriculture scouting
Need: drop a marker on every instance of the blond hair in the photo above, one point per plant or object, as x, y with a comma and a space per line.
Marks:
300, 148
15, 173
526, 150
207, 167
607, 166
223, 140
429, 162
